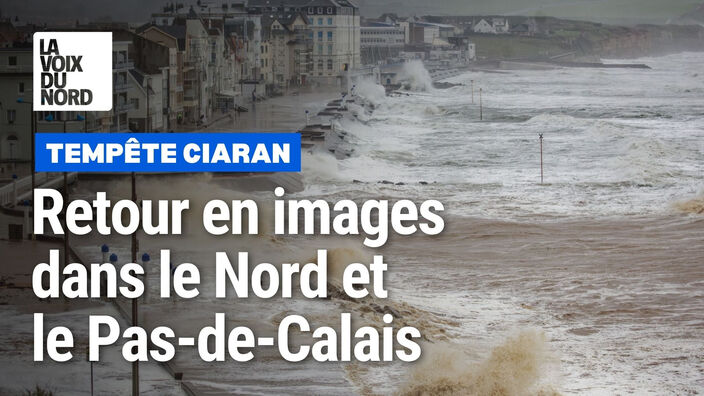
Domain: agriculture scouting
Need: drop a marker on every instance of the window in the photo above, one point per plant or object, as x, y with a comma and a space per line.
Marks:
329, 49
329, 10
12, 141
12, 61
320, 64
320, 10
320, 49
329, 64
20, 87
329, 21
329, 36
310, 10
11, 116
320, 35
54, 115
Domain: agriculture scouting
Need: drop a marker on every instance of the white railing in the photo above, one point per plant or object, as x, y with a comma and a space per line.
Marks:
21, 189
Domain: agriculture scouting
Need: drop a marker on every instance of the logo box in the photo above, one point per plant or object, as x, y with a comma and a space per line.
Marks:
72, 71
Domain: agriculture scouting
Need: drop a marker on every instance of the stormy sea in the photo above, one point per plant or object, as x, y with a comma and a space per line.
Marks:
590, 282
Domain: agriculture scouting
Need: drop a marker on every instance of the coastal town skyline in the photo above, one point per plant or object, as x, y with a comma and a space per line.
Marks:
622, 11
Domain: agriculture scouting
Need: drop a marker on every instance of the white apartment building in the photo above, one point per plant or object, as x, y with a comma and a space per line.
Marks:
147, 96
121, 65
334, 30
387, 36
290, 47
381, 41
196, 88
492, 26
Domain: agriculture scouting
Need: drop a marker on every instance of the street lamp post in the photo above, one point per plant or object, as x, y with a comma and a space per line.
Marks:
67, 255
33, 122
135, 302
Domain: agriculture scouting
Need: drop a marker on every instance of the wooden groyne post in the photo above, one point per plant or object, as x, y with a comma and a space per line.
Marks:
540, 138
481, 109
472, 82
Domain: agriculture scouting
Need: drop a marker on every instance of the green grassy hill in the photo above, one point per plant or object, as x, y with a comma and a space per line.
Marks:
613, 11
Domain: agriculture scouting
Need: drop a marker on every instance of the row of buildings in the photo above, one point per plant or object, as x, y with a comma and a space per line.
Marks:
191, 62
392, 39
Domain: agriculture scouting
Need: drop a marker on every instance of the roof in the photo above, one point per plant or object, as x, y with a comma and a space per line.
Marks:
16, 49
523, 27
240, 27
139, 76
176, 31
286, 19
300, 3
378, 24
389, 15
192, 14
439, 25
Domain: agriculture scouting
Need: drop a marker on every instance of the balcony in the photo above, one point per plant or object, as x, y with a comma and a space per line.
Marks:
94, 127
123, 107
23, 68
120, 86
122, 64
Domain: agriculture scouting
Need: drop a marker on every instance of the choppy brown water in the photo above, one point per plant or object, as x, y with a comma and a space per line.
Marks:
620, 301
507, 308
595, 287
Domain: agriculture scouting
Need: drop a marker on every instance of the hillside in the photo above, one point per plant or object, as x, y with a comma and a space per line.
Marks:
607, 11
579, 40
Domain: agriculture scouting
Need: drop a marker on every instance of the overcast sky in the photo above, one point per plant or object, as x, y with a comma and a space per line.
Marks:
655, 11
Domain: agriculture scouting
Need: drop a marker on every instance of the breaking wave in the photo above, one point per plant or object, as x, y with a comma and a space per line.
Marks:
555, 119
519, 366
415, 77
319, 165
370, 91
693, 206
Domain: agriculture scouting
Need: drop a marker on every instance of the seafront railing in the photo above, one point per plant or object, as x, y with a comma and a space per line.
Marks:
21, 189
